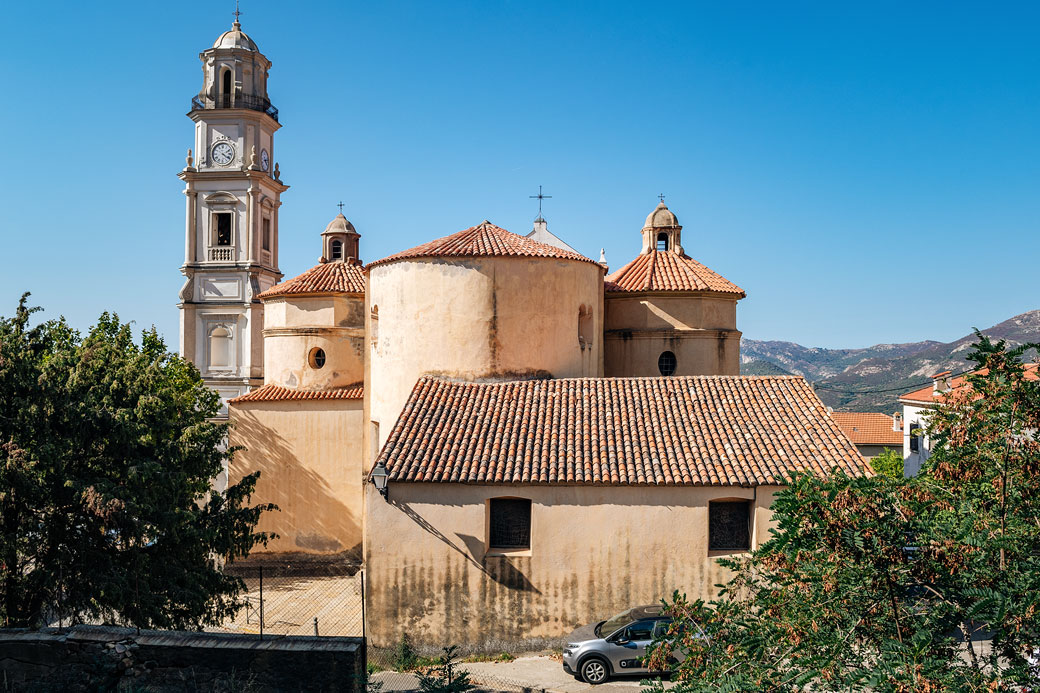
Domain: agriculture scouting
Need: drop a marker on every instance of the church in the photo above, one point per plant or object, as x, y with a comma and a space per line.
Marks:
513, 439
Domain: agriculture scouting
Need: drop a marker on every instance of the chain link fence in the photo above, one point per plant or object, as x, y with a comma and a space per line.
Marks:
328, 600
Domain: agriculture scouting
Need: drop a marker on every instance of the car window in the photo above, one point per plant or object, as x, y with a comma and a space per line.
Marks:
661, 628
641, 631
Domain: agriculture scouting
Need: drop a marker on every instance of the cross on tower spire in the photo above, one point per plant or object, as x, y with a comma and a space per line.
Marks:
237, 13
661, 197
540, 197
340, 205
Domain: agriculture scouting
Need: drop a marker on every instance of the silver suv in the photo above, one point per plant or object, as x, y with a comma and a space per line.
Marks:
594, 653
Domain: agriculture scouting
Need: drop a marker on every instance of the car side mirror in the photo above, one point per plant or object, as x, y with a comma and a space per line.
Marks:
622, 640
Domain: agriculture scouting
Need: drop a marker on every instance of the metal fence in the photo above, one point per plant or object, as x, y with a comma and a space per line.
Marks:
327, 600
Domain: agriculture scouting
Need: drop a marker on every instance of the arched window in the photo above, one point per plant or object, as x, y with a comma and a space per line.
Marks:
337, 250
662, 241
220, 347
316, 358
225, 88
666, 363
585, 327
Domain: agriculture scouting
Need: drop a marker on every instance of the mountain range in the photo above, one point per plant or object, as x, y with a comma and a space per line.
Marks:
848, 379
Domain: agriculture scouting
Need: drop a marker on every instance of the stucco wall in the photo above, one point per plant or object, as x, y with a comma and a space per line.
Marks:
476, 318
699, 329
295, 325
913, 461
309, 457
594, 551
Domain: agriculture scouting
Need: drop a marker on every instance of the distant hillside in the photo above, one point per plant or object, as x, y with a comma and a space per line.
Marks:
837, 372
762, 368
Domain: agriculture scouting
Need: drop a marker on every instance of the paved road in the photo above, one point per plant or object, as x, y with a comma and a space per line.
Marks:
531, 673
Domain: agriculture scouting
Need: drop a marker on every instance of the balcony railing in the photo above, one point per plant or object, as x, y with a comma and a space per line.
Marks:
221, 254
253, 103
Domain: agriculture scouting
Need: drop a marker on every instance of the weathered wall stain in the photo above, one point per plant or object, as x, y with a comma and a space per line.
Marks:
588, 560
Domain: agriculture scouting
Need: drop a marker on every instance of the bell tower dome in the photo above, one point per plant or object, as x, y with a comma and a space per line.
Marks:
233, 188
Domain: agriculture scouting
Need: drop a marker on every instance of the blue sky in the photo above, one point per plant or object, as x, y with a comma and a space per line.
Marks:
867, 173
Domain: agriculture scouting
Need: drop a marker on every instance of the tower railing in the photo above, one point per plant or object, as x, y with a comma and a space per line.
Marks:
247, 101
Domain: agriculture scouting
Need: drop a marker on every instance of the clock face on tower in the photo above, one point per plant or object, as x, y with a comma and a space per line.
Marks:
265, 159
223, 153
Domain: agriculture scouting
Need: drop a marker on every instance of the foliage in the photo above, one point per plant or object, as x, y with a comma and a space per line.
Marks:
446, 677
889, 463
107, 457
403, 657
886, 584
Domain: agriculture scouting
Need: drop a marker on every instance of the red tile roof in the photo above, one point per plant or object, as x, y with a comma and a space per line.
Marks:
868, 428
666, 270
679, 431
928, 395
273, 393
485, 239
327, 278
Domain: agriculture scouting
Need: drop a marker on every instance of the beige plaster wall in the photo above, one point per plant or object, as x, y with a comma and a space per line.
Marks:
293, 326
594, 551
475, 318
669, 312
699, 329
309, 457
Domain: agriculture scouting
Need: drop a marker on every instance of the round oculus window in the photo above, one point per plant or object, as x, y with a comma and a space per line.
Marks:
316, 358
666, 363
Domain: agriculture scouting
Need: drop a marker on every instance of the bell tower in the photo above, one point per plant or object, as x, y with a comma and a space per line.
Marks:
233, 190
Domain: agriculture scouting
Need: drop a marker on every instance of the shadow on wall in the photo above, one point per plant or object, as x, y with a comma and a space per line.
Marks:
497, 568
311, 517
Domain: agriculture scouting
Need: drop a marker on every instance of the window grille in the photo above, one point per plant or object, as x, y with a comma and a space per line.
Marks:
666, 363
510, 523
662, 241
729, 526
337, 250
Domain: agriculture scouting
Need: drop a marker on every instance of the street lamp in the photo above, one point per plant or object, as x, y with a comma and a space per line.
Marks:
379, 478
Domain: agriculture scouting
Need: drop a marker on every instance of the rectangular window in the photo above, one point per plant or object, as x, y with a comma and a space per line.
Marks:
509, 525
915, 441
267, 234
729, 526
222, 228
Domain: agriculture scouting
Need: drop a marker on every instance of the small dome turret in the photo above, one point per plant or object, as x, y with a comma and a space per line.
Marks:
340, 225
661, 218
340, 241
235, 38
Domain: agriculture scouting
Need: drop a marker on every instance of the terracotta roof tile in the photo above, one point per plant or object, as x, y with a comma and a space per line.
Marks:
679, 431
326, 278
868, 428
273, 393
666, 270
485, 239
928, 395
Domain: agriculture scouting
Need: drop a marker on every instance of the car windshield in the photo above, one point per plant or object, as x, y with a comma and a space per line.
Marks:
614, 622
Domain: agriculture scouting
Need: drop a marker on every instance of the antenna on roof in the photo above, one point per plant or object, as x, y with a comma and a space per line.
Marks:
540, 197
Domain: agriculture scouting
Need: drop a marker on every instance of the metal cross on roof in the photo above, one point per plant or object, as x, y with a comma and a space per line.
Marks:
661, 197
236, 12
540, 197
340, 205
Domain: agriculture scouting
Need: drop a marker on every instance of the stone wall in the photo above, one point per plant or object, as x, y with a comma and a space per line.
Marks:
99, 658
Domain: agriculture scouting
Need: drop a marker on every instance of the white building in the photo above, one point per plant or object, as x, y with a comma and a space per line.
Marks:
233, 193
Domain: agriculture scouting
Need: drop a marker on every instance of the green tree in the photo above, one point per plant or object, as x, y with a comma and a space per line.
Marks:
878, 583
107, 458
889, 463
446, 677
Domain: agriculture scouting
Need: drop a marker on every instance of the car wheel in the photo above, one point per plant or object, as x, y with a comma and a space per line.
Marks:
594, 671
